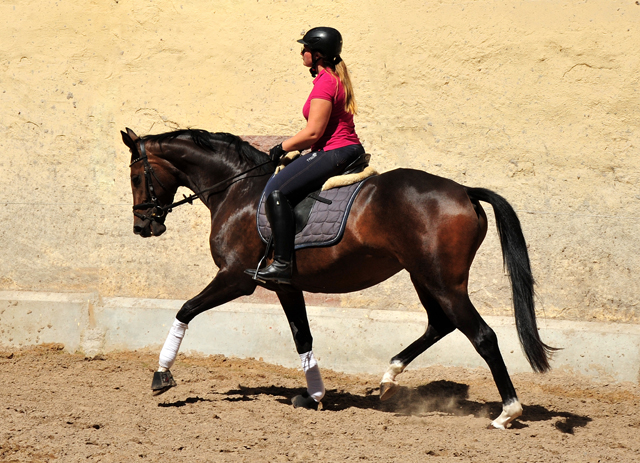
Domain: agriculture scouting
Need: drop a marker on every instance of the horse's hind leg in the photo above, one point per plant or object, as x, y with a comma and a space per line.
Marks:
439, 326
295, 309
466, 318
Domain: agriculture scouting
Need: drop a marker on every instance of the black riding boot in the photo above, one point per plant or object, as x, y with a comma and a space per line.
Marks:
280, 216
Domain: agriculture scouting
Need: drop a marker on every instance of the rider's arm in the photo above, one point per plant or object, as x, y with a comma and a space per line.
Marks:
319, 113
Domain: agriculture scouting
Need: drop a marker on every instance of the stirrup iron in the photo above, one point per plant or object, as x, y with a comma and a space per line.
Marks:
264, 257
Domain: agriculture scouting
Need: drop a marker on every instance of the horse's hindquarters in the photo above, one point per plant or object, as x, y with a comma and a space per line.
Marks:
403, 219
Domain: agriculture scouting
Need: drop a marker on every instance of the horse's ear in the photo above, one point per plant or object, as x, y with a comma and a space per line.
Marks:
132, 134
129, 138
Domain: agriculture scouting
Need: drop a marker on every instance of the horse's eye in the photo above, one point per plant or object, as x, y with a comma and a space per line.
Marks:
136, 180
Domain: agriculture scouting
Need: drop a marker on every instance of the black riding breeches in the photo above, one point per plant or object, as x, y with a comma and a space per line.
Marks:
309, 172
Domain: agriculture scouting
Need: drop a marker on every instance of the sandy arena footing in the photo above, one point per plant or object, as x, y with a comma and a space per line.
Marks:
345, 340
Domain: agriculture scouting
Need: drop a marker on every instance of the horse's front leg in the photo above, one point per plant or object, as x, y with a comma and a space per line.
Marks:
295, 309
222, 289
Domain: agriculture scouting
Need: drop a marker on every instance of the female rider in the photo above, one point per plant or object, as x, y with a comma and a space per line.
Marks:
330, 133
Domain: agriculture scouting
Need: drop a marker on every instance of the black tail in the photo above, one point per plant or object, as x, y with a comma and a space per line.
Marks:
516, 261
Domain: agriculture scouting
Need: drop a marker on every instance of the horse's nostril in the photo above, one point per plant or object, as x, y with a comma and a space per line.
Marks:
139, 226
158, 228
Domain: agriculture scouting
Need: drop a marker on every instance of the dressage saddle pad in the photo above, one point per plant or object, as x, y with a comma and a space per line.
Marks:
325, 221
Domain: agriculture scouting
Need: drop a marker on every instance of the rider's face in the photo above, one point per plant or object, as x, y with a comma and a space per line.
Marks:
307, 59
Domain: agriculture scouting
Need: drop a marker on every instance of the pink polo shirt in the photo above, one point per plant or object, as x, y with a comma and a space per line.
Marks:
341, 130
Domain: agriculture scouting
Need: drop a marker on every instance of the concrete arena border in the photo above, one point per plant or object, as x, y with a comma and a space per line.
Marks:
347, 340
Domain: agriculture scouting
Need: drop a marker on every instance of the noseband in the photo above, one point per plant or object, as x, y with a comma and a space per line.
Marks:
158, 211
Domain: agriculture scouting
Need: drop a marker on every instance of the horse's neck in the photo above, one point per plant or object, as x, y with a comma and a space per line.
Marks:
203, 171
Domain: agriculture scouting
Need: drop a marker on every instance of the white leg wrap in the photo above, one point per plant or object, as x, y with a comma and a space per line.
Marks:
315, 386
172, 345
394, 370
510, 412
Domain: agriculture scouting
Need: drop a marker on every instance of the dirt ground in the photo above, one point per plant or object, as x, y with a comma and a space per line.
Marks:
60, 407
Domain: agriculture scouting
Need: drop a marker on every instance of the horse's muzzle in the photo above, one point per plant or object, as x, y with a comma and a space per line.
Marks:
142, 227
158, 228
147, 228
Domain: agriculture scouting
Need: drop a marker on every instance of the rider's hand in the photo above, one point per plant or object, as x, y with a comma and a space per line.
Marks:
276, 152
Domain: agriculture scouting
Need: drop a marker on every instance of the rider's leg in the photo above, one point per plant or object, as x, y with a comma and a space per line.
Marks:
309, 172
280, 215
289, 186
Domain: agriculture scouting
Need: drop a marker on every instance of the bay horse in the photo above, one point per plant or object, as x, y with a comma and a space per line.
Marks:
402, 219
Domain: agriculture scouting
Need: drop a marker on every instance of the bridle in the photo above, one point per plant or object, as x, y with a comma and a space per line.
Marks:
159, 211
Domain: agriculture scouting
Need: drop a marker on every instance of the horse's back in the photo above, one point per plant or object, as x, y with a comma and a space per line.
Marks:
410, 191
414, 214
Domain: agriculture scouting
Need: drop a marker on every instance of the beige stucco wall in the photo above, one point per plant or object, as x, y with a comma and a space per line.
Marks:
536, 100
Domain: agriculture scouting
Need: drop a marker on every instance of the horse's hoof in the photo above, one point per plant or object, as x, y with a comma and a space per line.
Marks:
388, 389
306, 401
162, 382
509, 413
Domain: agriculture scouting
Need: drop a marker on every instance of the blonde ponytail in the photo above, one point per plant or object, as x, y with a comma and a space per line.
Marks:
342, 73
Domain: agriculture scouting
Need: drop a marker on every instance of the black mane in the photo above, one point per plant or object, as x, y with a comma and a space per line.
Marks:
206, 140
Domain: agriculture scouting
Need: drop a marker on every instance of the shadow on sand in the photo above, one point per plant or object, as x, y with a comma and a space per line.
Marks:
437, 397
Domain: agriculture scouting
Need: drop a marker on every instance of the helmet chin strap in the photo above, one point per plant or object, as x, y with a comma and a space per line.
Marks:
314, 64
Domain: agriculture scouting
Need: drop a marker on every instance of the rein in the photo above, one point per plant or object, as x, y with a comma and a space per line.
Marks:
159, 211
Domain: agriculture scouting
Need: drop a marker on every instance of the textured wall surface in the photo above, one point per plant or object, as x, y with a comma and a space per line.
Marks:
536, 100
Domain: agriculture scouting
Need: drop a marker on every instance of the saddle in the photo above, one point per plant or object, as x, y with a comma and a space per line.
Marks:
322, 216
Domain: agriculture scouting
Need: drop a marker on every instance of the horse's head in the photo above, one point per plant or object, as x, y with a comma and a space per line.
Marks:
152, 184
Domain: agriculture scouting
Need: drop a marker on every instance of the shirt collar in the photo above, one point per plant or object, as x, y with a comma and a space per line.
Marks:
324, 71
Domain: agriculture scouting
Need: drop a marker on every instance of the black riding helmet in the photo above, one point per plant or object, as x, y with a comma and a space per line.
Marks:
325, 40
